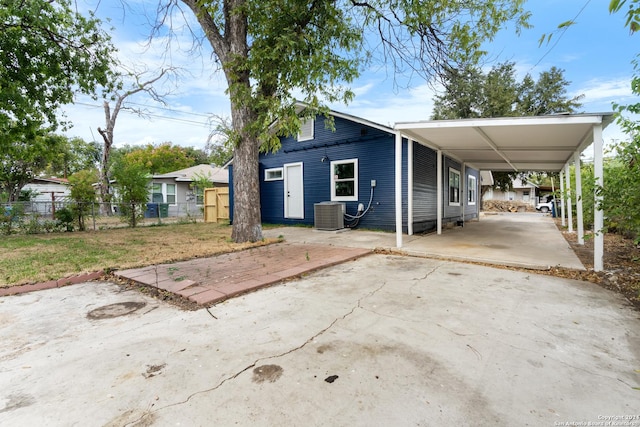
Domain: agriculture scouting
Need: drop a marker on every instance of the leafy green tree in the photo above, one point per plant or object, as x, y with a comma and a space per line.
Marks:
198, 156
132, 185
23, 155
163, 158
270, 50
463, 89
633, 13
469, 93
621, 201
74, 155
49, 52
83, 194
548, 95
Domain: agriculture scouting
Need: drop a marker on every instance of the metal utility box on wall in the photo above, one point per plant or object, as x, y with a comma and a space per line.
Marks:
328, 215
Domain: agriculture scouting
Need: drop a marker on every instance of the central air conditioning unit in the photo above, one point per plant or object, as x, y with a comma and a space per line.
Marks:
329, 215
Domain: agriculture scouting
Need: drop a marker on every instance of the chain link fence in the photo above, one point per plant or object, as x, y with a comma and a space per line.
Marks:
65, 215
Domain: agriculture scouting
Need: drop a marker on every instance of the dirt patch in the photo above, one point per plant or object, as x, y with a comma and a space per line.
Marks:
270, 373
621, 264
153, 370
156, 293
115, 310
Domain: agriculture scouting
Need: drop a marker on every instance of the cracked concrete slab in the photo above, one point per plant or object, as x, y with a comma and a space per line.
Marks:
383, 340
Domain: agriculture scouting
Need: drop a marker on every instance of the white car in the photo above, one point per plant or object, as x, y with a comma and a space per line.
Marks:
547, 206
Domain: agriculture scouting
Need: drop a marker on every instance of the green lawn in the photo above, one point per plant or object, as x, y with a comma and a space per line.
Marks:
35, 258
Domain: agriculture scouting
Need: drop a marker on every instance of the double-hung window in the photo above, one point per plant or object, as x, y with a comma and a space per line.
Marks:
454, 187
344, 180
472, 189
156, 193
163, 193
171, 194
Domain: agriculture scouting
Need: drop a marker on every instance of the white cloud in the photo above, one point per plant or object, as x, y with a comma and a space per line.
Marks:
606, 90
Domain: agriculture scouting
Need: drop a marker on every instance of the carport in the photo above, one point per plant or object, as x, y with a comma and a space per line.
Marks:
538, 143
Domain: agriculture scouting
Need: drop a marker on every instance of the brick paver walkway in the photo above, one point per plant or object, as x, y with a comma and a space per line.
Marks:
210, 280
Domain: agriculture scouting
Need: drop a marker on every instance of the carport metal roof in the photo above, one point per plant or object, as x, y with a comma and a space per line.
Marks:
537, 143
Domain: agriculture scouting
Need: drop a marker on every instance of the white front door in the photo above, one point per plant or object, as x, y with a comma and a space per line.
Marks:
293, 191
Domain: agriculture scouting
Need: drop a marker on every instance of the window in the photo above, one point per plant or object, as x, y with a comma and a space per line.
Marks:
454, 187
471, 194
156, 193
199, 196
344, 180
171, 194
163, 193
306, 130
274, 174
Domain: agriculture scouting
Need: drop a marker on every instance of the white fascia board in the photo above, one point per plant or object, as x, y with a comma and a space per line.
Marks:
502, 121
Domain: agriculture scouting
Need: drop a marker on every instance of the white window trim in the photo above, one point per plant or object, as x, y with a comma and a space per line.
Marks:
472, 187
266, 174
165, 193
308, 137
353, 198
457, 172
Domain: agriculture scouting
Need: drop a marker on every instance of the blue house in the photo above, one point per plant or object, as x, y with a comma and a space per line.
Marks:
350, 172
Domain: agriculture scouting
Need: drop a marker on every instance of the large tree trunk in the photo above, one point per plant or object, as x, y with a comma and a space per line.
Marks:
231, 45
247, 222
107, 136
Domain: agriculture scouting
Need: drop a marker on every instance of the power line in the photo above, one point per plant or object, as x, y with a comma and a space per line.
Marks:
171, 109
564, 30
175, 119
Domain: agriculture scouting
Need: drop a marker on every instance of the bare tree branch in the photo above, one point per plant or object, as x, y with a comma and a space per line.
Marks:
111, 116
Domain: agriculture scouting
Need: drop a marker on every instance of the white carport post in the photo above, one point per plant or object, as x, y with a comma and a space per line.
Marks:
439, 192
410, 187
563, 210
463, 189
579, 211
398, 189
598, 214
567, 176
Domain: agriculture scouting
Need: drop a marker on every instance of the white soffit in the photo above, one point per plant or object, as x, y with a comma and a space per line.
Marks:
541, 143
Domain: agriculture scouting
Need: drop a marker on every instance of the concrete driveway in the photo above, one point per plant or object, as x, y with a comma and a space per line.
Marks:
527, 240
383, 340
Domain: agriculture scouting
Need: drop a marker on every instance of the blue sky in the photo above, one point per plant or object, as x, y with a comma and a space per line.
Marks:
596, 54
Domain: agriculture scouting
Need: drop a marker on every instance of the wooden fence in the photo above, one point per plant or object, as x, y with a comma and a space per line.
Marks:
216, 204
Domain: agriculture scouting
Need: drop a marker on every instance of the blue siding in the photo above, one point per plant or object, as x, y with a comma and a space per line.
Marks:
375, 151
451, 213
471, 211
425, 201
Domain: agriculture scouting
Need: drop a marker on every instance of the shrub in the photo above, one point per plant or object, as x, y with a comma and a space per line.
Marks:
64, 218
10, 217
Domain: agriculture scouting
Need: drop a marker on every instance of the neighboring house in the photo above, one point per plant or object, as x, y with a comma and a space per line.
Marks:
522, 191
46, 191
178, 191
354, 166
43, 188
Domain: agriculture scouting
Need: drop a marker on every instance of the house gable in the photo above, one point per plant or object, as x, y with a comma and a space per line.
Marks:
369, 148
